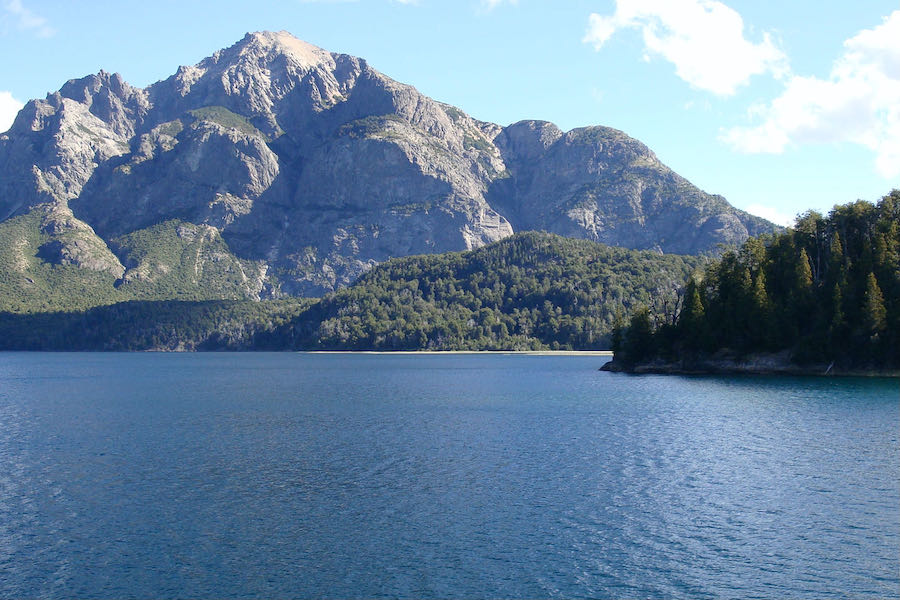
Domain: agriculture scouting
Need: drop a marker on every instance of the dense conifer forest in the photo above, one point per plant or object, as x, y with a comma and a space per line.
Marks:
826, 292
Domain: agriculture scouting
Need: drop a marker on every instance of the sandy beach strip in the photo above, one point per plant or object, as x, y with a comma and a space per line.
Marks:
468, 352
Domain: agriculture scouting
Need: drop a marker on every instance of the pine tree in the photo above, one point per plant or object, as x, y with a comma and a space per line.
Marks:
836, 258
881, 251
874, 312
745, 316
762, 323
837, 326
638, 342
804, 272
692, 321
618, 332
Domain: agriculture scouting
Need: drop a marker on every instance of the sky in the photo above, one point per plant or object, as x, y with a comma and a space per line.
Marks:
779, 106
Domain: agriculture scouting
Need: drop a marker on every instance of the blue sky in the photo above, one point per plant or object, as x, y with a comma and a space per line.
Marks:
778, 106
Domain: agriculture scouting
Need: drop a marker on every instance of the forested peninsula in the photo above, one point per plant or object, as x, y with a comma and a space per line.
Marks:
822, 297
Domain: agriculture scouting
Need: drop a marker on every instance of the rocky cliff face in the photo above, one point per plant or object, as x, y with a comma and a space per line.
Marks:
600, 184
310, 167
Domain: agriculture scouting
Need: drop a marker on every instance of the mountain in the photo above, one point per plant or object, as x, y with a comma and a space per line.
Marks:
275, 168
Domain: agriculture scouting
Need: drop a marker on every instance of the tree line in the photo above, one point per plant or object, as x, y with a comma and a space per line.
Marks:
826, 291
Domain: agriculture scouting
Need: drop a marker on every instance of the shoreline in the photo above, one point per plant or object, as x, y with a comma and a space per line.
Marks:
751, 366
601, 353
473, 352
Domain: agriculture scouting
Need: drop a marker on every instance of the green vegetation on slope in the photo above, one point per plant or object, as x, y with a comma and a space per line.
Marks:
29, 284
164, 325
226, 118
827, 291
371, 126
173, 260
529, 291
176, 260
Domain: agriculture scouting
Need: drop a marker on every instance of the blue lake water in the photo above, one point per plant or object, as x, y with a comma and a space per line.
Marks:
309, 475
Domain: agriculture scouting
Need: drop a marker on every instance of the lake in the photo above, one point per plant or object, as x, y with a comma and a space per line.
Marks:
444, 476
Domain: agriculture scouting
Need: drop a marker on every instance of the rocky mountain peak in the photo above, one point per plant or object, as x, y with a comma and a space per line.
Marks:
109, 98
527, 140
264, 74
83, 90
269, 45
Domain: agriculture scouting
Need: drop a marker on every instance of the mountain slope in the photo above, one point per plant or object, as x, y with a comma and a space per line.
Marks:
312, 167
600, 184
528, 291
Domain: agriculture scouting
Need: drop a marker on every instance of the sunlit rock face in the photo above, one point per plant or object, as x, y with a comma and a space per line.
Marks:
310, 167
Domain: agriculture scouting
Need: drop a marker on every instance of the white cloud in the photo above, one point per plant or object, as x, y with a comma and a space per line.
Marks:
9, 108
858, 103
704, 39
28, 20
772, 214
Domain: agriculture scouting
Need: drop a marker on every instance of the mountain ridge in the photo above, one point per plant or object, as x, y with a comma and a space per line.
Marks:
312, 167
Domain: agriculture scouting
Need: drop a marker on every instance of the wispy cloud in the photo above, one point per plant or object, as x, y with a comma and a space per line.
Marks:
406, 2
9, 108
704, 39
858, 103
489, 5
27, 20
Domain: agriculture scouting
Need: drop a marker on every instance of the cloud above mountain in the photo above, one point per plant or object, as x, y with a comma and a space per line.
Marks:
859, 103
704, 39
28, 20
9, 108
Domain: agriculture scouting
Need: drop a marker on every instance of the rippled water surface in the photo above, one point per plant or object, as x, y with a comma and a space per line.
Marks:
297, 475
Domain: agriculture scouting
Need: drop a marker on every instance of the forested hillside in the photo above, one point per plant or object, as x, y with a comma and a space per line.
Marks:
528, 291
826, 292
153, 325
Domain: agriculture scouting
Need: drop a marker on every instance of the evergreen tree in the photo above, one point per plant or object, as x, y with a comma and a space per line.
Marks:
874, 312
804, 279
802, 306
618, 332
761, 321
836, 259
837, 327
638, 342
692, 321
